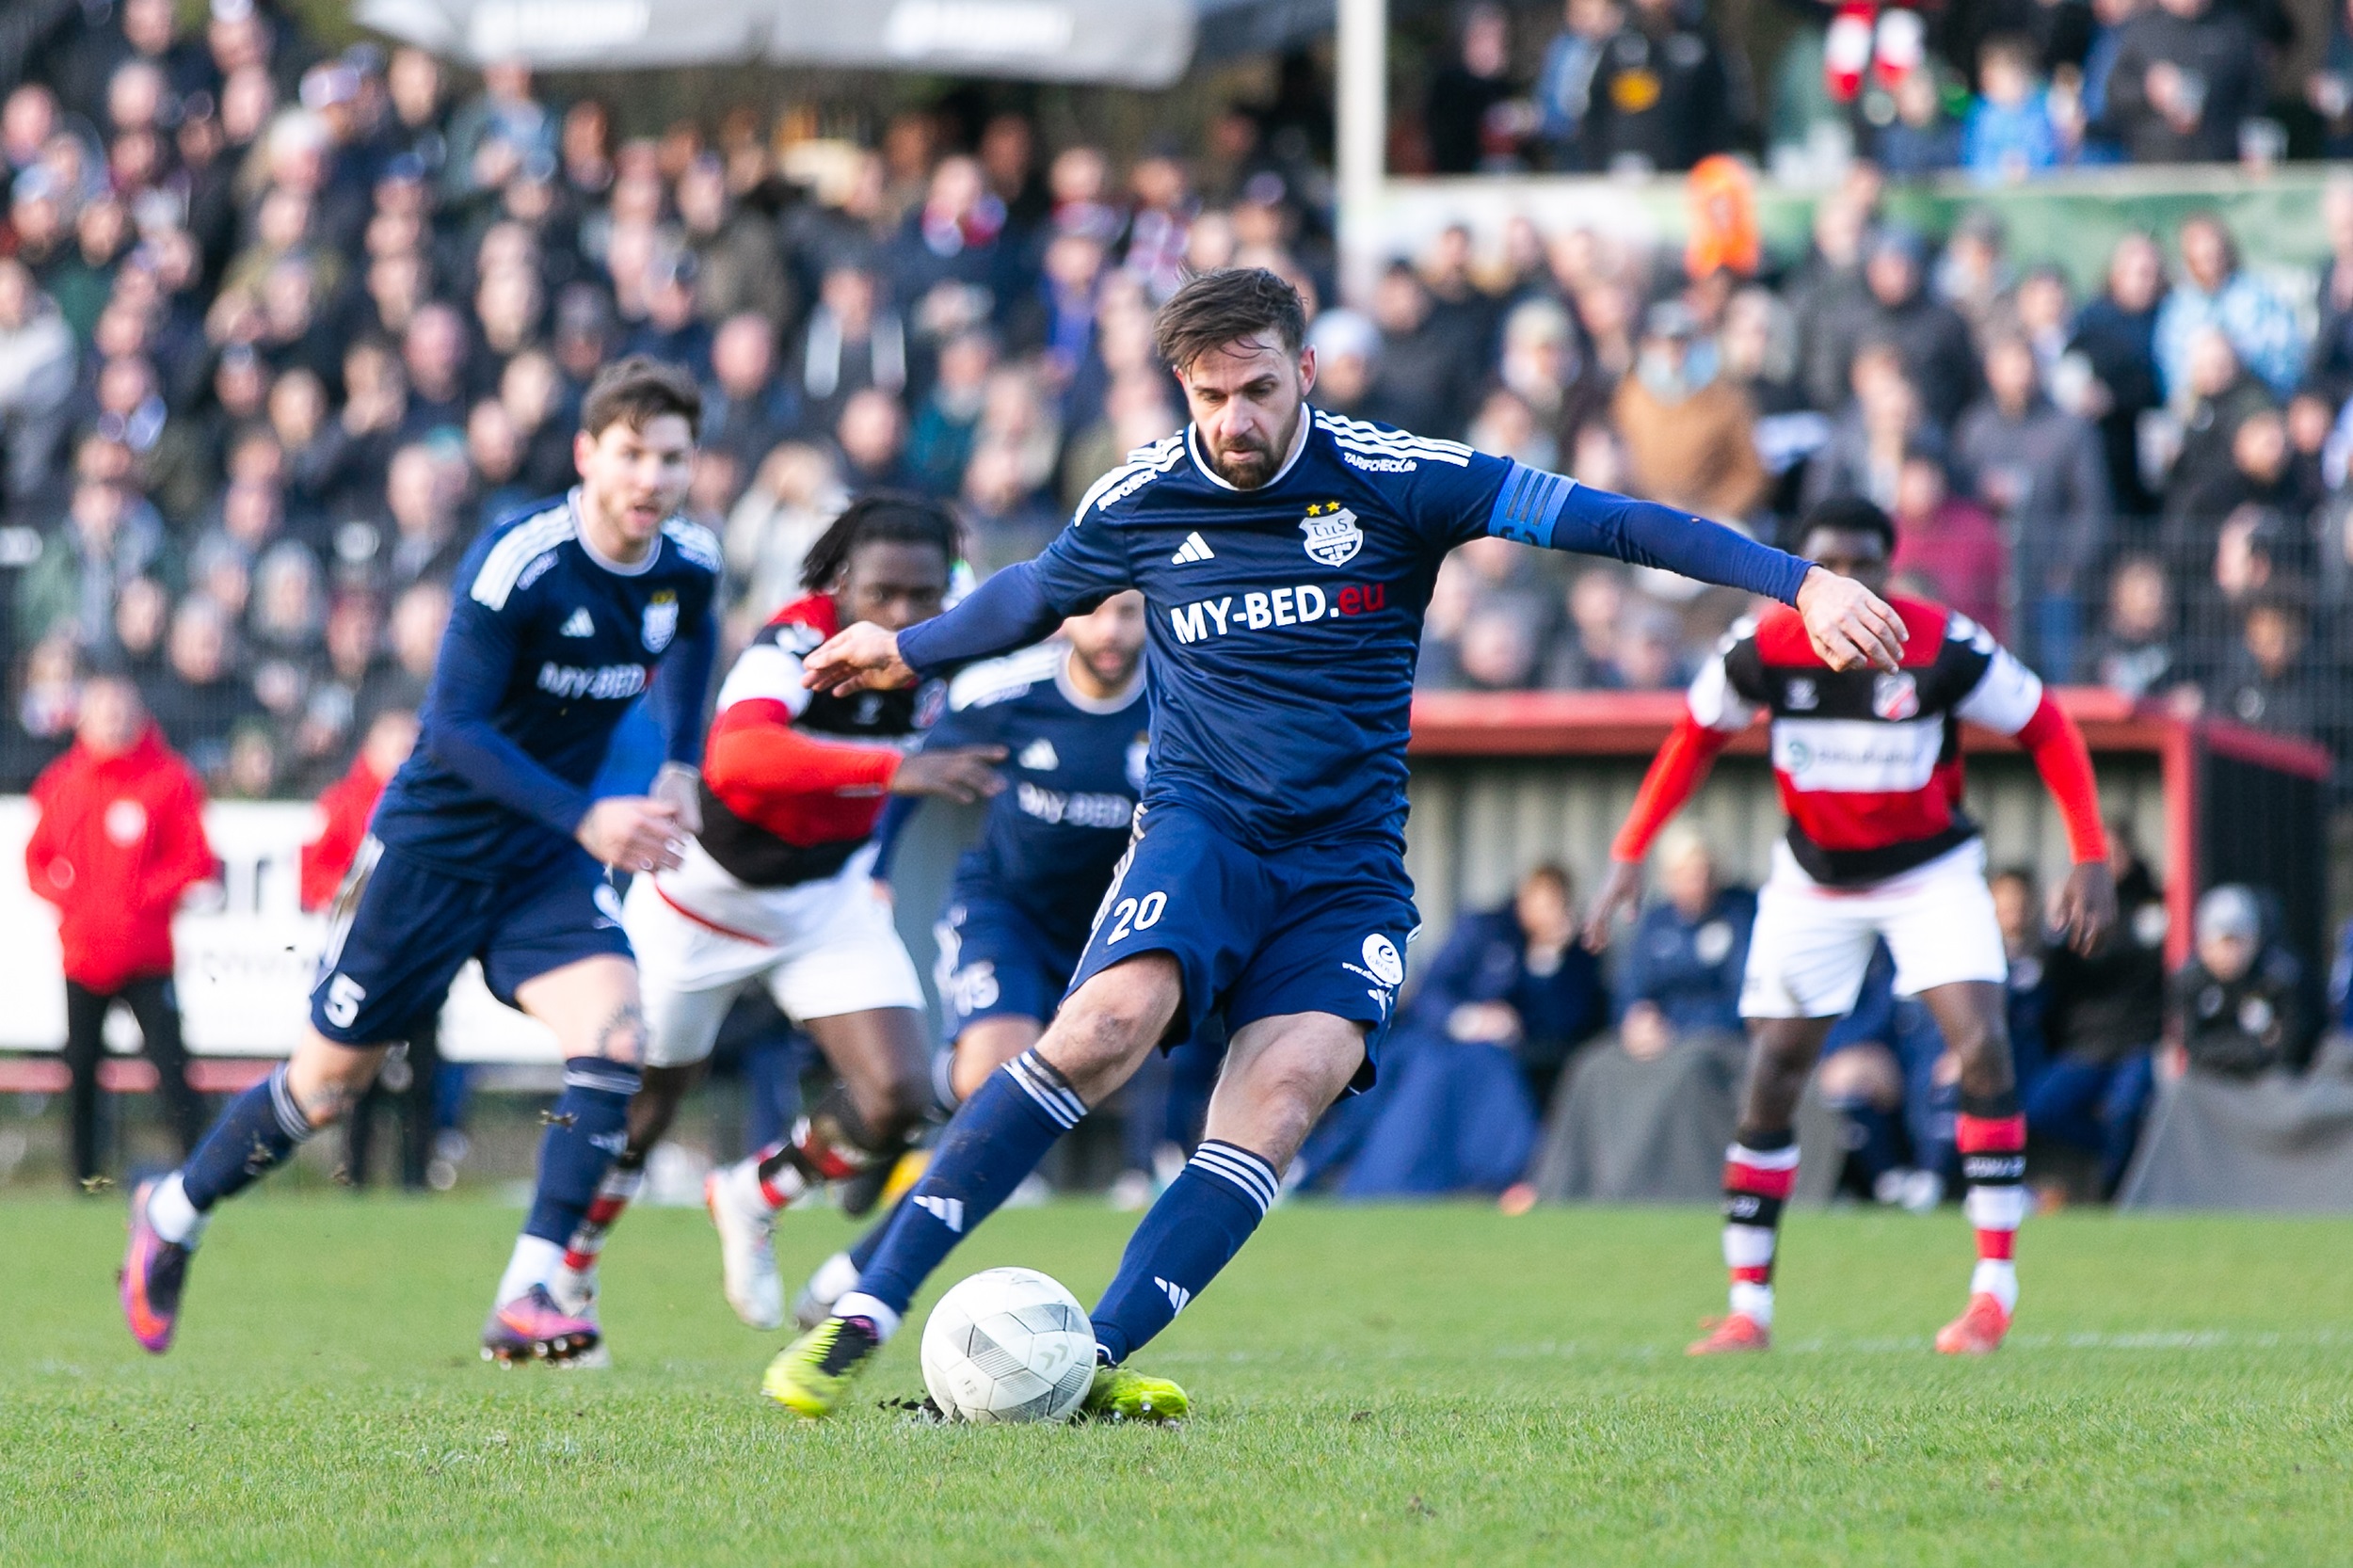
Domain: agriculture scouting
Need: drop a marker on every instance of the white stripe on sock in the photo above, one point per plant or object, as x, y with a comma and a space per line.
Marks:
1748, 1246
1056, 1101
1998, 1278
2002, 1207
1764, 1160
174, 1217
291, 1121
1254, 1175
1754, 1303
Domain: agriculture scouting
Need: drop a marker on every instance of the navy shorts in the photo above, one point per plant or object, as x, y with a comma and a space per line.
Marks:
403, 929
995, 963
1321, 928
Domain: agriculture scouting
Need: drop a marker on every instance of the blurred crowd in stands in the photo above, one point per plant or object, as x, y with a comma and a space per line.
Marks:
2005, 92
281, 329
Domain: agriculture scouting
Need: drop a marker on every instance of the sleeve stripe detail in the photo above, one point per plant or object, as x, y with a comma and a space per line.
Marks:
1016, 672
523, 545
1351, 436
695, 542
764, 671
1528, 506
1130, 476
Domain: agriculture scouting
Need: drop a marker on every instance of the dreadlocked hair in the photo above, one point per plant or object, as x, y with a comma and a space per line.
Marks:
884, 517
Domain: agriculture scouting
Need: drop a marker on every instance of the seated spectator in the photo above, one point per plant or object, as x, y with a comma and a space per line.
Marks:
1679, 970
2215, 291
203, 696
1005, 520
1922, 138
2103, 1016
2266, 685
1931, 339
1348, 349
1688, 435
793, 499
2010, 133
1651, 653
747, 407
1950, 545
2039, 470
1564, 83
37, 358
2234, 1010
2186, 72
110, 539
851, 341
1493, 1022
2133, 652
1662, 97
1865, 454
2116, 336
941, 441
1467, 134
871, 437
1419, 377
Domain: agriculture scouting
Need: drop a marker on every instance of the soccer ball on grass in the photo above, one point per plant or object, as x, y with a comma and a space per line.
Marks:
1008, 1345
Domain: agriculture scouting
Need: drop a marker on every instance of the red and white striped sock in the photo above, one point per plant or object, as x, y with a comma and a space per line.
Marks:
1757, 1181
1994, 1163
614, 1195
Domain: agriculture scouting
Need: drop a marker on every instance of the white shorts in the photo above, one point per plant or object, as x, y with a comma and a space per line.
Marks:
822, 949
1812, 943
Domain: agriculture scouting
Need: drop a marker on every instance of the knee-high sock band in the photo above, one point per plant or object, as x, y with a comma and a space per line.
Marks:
831, 1144
1194, 1230
1993, 1153
620, 1188
588, 1127
254, 1135
1759, 1172
993, 1142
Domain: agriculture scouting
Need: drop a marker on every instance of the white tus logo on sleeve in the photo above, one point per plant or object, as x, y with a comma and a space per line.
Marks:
660, 621
1333, 536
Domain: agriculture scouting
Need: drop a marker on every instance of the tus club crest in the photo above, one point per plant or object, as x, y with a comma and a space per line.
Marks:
1333, 536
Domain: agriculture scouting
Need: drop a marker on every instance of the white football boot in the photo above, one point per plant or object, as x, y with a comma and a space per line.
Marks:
747, 1260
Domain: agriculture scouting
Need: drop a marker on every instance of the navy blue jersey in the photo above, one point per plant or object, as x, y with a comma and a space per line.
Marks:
1074, 768
548, 645
1285, 620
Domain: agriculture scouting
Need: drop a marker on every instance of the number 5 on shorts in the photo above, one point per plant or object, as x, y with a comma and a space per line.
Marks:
1131, 915
344, 997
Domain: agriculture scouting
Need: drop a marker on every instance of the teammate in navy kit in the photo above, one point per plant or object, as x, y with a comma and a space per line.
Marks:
1070, 716
487, 845
1286, 555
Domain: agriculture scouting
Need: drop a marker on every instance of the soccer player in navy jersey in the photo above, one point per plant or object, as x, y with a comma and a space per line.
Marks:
488, 845
1070, 716
1286, 555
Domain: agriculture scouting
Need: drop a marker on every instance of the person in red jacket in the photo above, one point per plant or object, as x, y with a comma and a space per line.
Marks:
119, 838
350, 801
406, 1081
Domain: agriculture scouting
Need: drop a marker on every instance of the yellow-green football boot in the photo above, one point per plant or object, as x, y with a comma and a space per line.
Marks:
812, 1376
1120, 1395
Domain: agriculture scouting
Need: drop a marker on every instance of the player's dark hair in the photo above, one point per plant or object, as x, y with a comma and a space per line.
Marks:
1849, 514
1213, 309
638, 389
885, 516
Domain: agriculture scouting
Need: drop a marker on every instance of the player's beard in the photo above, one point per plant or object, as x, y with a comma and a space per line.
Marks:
1247, 466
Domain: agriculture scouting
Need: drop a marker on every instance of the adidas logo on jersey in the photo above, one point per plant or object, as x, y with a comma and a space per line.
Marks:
1040, 757
580, 625
947, 1211
1177, 1294
1195, 547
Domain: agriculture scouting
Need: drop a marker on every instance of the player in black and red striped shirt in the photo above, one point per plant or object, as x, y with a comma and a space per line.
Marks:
1869, 768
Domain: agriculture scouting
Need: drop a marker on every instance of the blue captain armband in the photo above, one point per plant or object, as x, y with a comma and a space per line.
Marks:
1527, 508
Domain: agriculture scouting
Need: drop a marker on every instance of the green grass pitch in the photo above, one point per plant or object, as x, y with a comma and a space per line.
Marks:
1412, 1385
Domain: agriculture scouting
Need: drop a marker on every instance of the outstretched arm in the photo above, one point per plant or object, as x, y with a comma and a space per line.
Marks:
1675, 774
2088, 904
1848, 624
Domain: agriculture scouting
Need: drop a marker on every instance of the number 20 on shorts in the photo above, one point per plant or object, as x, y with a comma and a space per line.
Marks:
1131, 915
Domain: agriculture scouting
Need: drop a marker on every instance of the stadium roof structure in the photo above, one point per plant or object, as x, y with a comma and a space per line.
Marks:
1145, 44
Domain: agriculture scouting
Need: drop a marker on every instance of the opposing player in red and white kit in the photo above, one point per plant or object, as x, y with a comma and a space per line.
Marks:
777, 890
1870, 774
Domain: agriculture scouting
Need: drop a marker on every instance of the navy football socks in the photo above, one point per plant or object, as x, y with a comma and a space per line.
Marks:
261, 1128
1194, 1230
990, 1144
586, 1133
